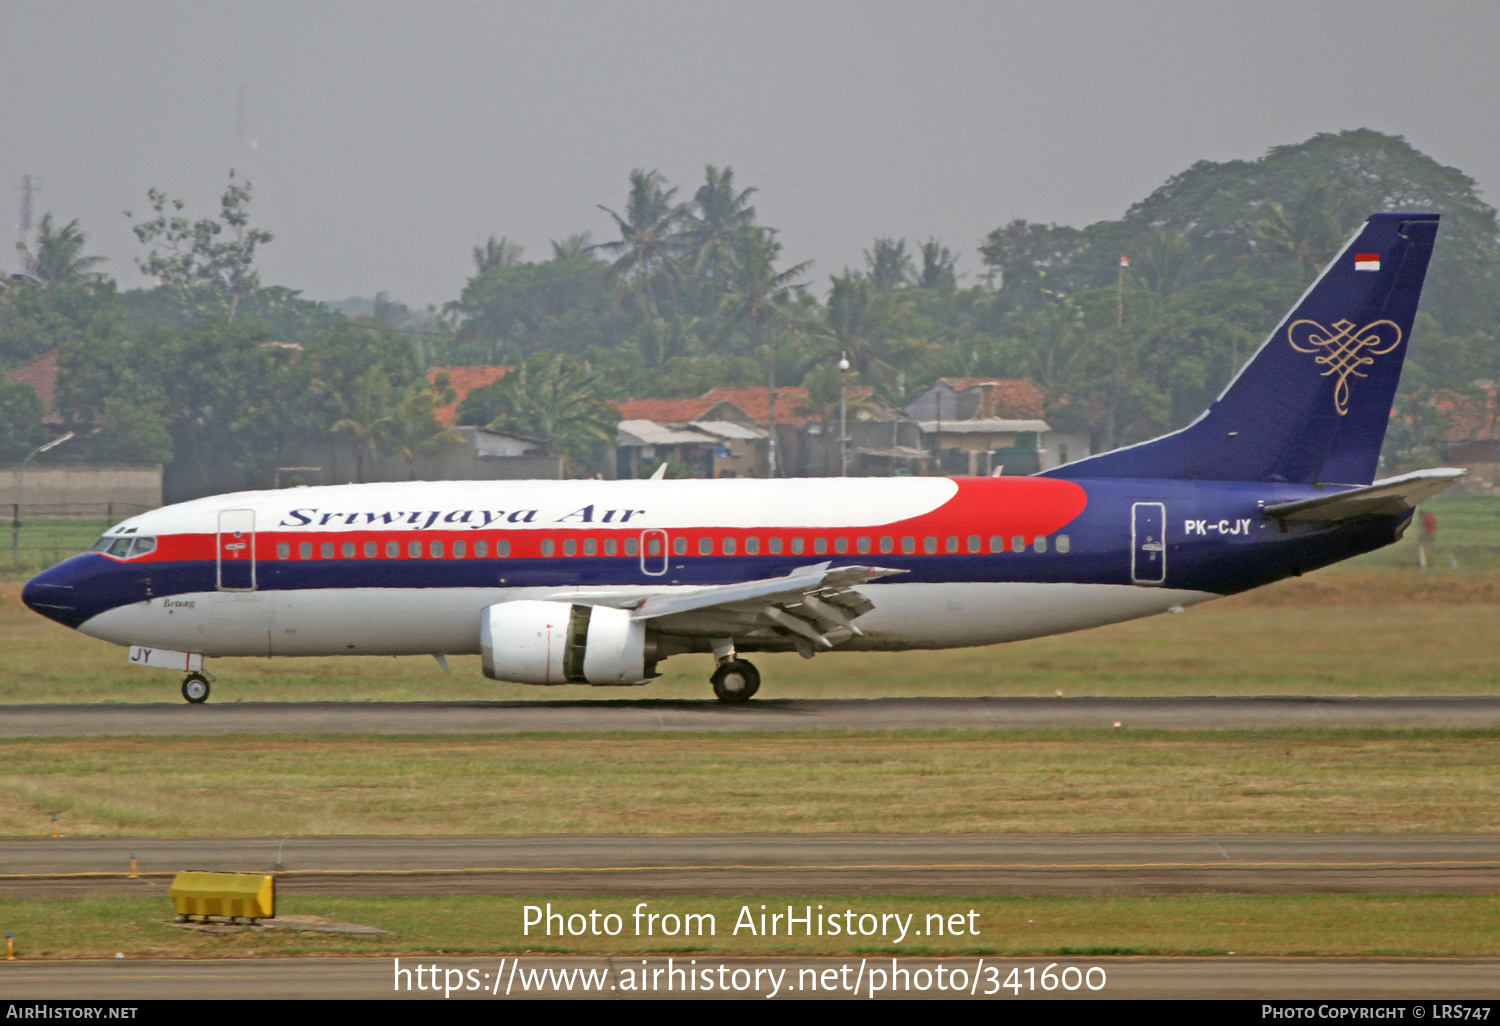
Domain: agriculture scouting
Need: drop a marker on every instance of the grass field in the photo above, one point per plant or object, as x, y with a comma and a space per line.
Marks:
1207, 925
946, 781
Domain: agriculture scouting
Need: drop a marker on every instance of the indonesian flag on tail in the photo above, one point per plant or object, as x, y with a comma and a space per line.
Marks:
1367, 261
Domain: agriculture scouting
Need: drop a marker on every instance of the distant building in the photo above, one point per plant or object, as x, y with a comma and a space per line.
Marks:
980, 425
464, 380
41, 374
709, 437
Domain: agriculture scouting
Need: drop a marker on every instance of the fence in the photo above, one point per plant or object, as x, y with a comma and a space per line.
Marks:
44, 534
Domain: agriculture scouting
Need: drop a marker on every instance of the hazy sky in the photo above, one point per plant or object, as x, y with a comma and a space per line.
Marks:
385, 140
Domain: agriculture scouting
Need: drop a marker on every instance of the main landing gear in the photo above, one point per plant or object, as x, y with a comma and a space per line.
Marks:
195, 688
735, 681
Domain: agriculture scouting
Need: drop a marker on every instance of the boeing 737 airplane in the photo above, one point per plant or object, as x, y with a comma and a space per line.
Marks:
597, 582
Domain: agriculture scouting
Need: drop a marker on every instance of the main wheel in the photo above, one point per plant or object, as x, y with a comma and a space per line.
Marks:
735, 681
195, 688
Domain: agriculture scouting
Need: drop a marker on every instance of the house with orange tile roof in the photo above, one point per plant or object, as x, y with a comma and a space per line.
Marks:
41, 374
464, 380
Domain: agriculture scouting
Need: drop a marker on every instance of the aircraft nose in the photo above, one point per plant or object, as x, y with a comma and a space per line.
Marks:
50, 594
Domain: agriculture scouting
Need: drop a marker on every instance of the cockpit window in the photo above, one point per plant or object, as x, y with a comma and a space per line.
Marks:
101, 544
119, 547
142, 546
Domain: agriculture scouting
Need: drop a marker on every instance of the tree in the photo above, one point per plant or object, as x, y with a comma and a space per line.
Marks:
206, 264
757, 300
555, 400
889, 264
503, 253
717, 213
21, 427
58, 259
649, 242
411, 429
937, 267
1025, 252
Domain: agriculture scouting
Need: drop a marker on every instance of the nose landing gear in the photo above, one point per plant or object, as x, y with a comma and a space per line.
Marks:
195, 688
735, 681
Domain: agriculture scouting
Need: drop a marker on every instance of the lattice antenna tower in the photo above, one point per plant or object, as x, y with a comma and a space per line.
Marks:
30, 185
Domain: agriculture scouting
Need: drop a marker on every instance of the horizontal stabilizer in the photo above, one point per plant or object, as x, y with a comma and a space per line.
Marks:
1389, 497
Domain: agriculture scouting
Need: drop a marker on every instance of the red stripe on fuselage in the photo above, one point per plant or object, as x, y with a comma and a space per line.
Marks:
1007, 506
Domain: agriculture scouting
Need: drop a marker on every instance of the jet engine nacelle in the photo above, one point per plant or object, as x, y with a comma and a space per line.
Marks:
533, 642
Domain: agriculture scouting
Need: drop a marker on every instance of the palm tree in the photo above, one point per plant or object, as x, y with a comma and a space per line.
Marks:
496, 253
365, 410
718, 213
858, 315
58, 259
412, 429
758, 301
555, 400
649, 241
890, 266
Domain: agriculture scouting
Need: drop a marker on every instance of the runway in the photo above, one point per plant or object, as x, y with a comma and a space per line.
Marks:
1461, 980
117, 719
749, 864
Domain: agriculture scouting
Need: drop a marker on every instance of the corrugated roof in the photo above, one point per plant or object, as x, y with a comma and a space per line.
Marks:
984, 427
464, 380
648, 432
729, 429
1007, 398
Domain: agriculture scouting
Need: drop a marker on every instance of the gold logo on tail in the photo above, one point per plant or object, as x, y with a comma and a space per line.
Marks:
1343, 350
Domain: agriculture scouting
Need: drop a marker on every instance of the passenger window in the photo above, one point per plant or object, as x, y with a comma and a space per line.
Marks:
997, 543
326, 550
841, 545
887, 543
435, 549
481, 548
1018, 544
632, 546
305, 550
392, 549
908, 544
570, 546
952, 545
705, 546
142, 546
370, 550
348, 550
283, 550
929, 544
590, 547
460, 550
1064, 543
548, 546
820, 545
414, 549
653, 546
775, 545
973, 543
752, 546
502, 548
797, 546
862, 546
1040, 545
611, 547
730, 547
679, 546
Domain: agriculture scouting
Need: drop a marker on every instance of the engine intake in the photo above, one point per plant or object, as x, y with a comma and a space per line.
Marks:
536, 642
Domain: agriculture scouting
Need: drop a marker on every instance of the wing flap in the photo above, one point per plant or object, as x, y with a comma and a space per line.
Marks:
1390, 497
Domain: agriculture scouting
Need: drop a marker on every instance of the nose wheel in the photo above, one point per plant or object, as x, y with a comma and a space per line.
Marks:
735, 681
195, 688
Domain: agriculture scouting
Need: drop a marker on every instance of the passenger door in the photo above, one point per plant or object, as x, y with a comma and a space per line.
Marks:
654, 552
236, 550
1148, 538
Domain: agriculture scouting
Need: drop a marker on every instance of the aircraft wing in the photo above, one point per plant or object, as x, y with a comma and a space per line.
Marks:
814, 606
1383, 498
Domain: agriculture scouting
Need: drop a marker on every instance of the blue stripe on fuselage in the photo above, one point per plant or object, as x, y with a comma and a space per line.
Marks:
1099, 553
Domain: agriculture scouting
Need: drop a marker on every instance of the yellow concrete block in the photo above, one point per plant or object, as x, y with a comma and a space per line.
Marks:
248, 895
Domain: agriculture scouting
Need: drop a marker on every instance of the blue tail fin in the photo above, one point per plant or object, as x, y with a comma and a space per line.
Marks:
1311, 406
